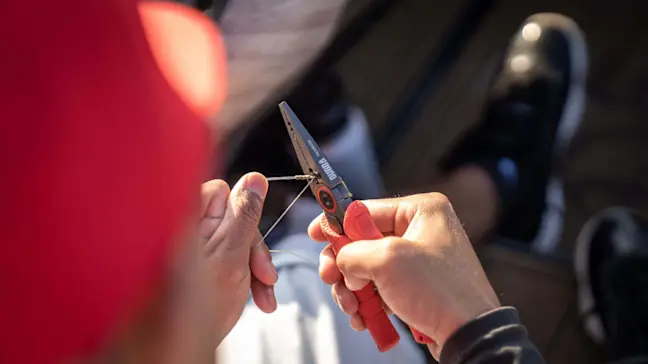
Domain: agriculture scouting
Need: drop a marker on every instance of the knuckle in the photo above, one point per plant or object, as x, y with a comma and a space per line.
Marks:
434, 204
390, 246
397, 260
391, 253
439, 199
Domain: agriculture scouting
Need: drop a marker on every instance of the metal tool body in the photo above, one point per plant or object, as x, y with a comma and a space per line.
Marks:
329, 189
334, 198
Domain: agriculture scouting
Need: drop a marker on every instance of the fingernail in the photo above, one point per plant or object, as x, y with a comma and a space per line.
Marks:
336, 298
256, 183
270, 295
269, 264
273, 269
339, 302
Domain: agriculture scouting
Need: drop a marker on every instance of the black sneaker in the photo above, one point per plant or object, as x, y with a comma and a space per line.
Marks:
611, 263
534, 108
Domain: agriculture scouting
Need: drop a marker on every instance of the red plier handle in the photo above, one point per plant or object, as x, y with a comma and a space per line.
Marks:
370, 304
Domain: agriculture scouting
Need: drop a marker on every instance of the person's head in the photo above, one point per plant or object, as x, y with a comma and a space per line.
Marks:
103, 145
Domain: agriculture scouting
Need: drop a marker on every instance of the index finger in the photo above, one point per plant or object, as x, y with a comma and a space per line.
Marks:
214, 192
391, 216
315, 229
215, 195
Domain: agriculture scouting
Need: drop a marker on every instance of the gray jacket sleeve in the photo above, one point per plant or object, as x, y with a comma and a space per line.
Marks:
496, 337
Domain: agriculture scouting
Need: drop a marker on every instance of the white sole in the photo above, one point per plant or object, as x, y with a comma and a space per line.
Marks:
551, 226
592, 323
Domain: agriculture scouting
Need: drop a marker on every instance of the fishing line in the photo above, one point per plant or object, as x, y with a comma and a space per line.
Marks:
299, 177
294, 254
274, 224
310, 180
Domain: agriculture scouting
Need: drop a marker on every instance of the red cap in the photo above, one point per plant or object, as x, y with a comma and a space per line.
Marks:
103, 144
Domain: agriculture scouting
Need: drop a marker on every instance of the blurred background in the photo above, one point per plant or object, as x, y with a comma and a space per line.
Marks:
419, 70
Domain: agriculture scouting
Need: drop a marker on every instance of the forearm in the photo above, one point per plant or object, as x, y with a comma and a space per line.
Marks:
270, 42
496, 337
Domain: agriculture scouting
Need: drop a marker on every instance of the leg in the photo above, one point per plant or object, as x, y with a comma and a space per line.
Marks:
308, 327
502, 176
611, 263
474, 197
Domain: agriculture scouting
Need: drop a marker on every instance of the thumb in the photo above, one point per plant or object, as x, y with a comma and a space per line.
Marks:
240, 224
362, 262
358, 224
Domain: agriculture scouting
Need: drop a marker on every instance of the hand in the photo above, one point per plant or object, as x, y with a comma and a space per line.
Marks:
424, 269
239, 262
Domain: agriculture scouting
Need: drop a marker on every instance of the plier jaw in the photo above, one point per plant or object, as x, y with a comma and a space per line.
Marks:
328, 187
